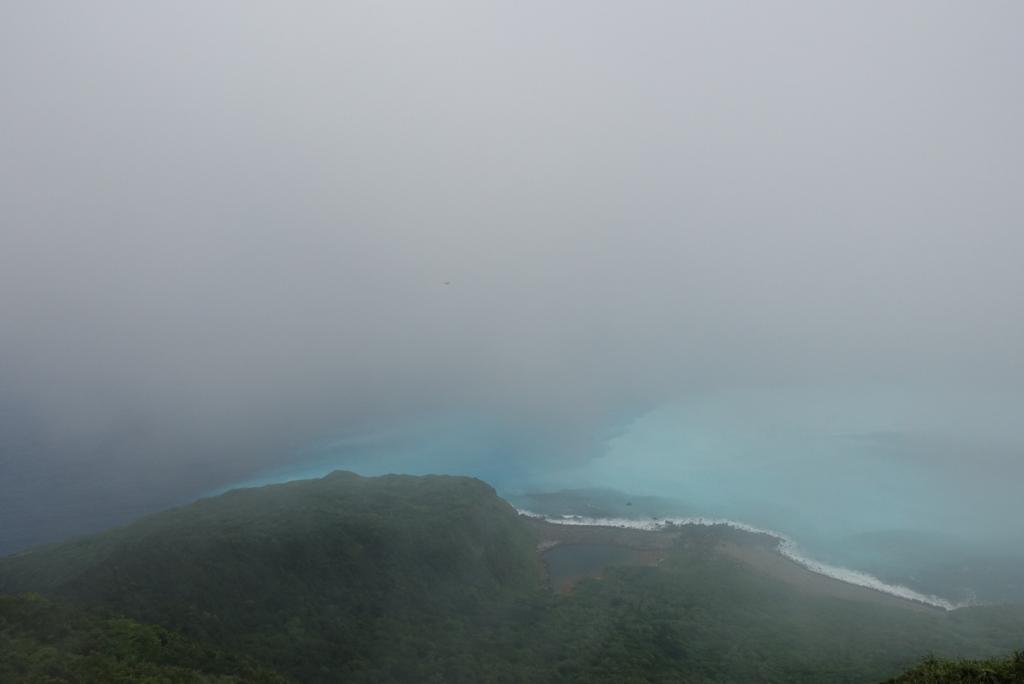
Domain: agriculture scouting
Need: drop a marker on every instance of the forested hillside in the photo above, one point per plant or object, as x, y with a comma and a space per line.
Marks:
419, 579
42, 641
318, 577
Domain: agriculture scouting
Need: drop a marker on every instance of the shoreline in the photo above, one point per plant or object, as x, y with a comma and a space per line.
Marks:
784, 548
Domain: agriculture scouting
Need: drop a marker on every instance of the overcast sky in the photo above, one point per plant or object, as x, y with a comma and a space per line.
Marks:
243, 212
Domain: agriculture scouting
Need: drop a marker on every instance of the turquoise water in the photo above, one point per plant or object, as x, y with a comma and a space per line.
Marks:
920, 489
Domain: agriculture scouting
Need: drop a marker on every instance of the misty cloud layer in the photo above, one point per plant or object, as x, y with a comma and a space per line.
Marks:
228, 227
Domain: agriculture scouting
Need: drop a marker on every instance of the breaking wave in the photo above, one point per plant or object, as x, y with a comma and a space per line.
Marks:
786, 546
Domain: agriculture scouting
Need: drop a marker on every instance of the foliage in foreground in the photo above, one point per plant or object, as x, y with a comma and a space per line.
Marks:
936, 671
42, 641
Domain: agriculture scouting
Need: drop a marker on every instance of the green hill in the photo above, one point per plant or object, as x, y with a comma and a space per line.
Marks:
317, 576
436, 579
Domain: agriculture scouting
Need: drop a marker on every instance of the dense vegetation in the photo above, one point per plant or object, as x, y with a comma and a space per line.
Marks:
42, 641
701, 616
413, 579
936, 671
321, 579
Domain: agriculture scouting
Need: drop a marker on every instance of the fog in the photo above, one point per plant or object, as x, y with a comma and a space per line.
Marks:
233, 230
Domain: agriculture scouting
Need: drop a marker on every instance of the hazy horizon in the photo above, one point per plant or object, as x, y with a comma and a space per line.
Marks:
515, 231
